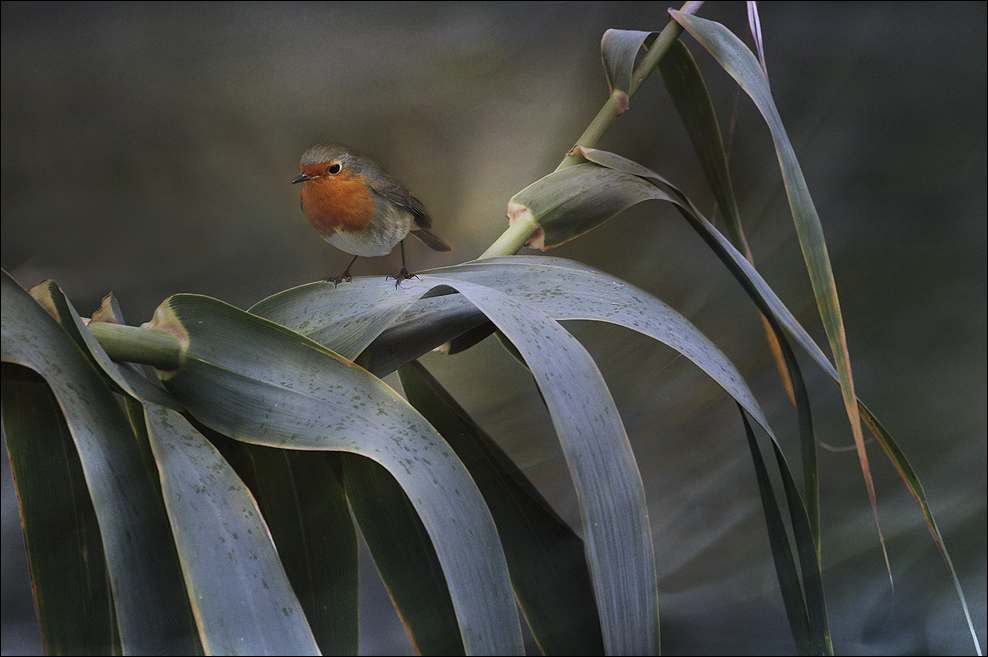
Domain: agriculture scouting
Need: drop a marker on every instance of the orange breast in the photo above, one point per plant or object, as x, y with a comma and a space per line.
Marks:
338, 203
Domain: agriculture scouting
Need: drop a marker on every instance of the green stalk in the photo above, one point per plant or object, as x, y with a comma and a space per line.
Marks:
153, 347
511, 240
605, 117
519, 232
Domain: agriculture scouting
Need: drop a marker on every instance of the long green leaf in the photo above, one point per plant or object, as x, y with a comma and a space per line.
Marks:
569, 202
242, 599
771, 306
809, 560
132, 520
689, 92
785, 565
567, 290
612, 498
343, 319
619, 50
546, 559
304, 506
581, 294
404, 556
65, 553
742, 65
774, 314
256, 381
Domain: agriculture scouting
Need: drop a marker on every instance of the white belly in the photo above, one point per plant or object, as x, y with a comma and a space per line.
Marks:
380, 239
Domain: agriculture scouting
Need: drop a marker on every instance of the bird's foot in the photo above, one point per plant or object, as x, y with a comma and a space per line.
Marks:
344, 277
403, 275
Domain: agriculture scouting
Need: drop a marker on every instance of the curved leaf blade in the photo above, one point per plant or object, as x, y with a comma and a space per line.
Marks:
689, 94
585, 294
343, 319
785, 565
571, 201
258, 382
567, 290
771, 306
132, 520
68, 569
612, 498
742, 65
303, 503
239, 591
618, 50
545, 557
404, 556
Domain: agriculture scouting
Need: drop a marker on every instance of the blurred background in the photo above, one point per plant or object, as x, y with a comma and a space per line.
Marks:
148, 149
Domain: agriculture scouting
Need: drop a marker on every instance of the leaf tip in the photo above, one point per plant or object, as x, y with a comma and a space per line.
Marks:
42, 293
108, 311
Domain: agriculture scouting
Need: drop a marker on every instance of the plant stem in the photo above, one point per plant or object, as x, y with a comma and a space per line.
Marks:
520, 230
518, 233
605, 117
153, 347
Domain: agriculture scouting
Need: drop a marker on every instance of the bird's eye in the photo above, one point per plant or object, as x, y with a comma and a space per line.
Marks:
334, 168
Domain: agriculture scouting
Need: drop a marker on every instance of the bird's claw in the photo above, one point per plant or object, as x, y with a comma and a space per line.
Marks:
342, 278
403, 275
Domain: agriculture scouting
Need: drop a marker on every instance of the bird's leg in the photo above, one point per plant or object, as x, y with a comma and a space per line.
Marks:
345, 276
403, 275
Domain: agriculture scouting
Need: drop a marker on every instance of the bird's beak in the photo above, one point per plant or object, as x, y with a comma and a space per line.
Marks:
303, 178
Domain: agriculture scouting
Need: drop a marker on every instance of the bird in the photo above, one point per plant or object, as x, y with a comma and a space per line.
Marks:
356, 206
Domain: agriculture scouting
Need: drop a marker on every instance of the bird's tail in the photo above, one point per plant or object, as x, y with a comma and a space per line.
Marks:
431, 239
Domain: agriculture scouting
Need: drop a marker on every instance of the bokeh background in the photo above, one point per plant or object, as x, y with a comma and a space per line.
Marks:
147, 149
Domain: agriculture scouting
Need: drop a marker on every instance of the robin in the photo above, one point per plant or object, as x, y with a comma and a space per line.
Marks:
356, 206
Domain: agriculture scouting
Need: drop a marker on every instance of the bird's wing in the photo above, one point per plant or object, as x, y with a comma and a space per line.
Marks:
395, 193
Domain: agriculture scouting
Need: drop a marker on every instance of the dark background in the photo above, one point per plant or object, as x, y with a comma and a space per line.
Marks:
147, 149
